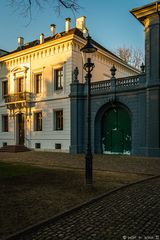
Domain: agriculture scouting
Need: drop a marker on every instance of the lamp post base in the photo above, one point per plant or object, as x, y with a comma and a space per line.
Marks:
89, 176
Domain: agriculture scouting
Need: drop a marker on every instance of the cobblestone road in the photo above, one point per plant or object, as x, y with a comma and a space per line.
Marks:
131, 213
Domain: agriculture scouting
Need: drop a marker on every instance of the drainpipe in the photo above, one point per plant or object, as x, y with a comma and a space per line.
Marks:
159, 55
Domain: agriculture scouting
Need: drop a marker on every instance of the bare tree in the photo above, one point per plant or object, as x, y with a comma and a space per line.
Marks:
25, 6
132, 56
137, 58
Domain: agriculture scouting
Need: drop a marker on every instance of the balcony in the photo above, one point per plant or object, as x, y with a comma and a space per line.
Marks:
18, 100
18, 97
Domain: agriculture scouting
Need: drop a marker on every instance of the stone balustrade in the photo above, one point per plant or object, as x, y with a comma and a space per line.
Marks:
118, 84
128, 82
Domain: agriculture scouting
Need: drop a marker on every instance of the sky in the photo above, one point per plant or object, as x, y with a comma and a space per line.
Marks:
109, 22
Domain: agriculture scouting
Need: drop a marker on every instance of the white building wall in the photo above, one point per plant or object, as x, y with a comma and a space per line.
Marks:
49, 100
103, 63
48, 137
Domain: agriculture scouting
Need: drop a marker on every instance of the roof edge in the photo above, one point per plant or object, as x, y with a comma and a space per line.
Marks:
141, 13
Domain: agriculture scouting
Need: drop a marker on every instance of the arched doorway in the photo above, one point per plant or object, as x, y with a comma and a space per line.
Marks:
116, 131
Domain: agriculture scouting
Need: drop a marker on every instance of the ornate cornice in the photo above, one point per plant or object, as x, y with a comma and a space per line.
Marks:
142, 13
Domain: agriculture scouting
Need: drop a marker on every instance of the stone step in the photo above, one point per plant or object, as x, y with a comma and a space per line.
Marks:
14, 148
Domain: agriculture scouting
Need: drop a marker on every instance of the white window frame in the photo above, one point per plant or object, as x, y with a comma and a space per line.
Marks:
35, 83
55, 128
35, 127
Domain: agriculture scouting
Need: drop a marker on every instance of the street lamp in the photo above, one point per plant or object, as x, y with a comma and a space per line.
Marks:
87, 52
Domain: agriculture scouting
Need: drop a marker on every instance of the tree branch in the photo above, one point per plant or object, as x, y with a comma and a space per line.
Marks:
25, 6
132, 56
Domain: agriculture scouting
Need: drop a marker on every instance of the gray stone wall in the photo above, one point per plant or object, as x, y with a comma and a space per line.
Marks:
141, 103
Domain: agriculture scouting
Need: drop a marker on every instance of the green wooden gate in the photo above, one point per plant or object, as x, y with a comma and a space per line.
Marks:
116, 131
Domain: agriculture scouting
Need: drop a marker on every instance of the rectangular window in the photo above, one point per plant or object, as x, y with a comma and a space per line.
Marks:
20, 84
4, 88
59, 79
4, 123
38, 83
38, 121
58, 119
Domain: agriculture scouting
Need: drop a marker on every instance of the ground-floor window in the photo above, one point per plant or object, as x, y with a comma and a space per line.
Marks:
38, 121
58, 120
4, 123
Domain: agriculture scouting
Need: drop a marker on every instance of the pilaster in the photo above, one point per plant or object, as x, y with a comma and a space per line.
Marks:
149, 16
77, 117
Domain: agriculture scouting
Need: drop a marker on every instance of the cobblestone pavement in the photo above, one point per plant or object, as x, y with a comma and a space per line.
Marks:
132, 212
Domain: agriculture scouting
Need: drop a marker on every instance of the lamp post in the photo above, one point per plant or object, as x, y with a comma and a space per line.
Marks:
87, 51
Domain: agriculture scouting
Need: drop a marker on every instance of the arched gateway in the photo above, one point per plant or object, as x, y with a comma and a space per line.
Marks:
116, 131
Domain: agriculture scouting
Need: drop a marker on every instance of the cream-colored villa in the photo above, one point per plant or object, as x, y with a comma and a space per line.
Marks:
35, 86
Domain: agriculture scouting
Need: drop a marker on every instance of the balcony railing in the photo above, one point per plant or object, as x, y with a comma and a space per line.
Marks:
18, 97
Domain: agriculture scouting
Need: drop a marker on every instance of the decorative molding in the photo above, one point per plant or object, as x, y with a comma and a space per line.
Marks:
40, 53
19, 69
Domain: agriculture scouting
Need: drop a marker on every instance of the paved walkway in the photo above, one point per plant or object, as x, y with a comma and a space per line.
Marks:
130, 213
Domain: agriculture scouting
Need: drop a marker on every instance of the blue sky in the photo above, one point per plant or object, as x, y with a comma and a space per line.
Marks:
109, 22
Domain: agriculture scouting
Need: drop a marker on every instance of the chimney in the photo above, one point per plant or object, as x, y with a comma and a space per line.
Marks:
68, 20
53, 29
81, 23
20, 41
41, 38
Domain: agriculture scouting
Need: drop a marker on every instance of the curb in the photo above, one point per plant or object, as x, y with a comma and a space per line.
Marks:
54, 219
